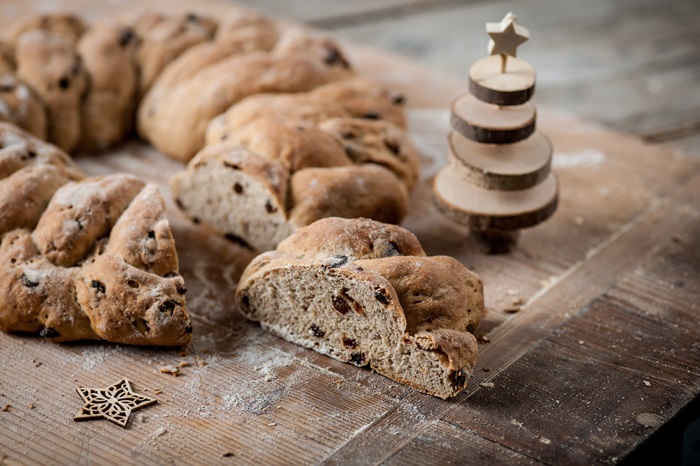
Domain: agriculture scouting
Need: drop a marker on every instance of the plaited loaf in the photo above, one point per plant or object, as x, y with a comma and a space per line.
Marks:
100, 264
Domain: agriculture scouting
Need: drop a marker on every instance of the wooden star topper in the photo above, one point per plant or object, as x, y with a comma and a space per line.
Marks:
114, 403
506, 36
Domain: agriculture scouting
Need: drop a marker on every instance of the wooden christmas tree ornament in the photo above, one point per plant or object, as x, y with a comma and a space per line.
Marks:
498, 179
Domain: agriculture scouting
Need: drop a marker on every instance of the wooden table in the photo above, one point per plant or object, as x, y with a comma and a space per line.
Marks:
603, 353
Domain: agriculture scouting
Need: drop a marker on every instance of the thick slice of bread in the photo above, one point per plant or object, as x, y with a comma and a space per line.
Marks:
237, 193
365, 293
100, 264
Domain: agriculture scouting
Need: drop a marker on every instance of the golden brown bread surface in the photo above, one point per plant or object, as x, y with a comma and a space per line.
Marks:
50, 65
100, 264
365, 293
107, 110
179, 129
336, 164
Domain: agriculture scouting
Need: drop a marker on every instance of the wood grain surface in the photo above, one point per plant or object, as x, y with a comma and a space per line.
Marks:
602, 351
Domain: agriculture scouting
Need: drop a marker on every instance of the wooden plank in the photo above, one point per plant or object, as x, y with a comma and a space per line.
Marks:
589, 403
446, 444
608, 61
513, 339
261, 400
689, 144
630, 360
335, 11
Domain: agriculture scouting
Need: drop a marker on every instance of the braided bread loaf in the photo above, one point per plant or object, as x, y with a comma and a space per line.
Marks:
295, 137
276, 163
84, 258
365, 293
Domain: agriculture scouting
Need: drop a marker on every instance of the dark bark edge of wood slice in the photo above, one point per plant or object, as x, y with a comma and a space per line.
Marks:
504, 222
489, 178
497, 181
514, 87
504, 98
492, 136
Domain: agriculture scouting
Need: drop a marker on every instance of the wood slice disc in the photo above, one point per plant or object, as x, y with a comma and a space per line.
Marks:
505, 167
514, 87
484, 209
490, 124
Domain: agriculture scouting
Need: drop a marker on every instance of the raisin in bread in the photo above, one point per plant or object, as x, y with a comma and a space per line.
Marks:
99, 263
365, 293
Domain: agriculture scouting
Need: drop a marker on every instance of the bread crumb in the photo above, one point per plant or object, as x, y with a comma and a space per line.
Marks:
487, 384
581, 342
272, 424
31, 405
545, 440
184, 364
512, 309
157, 391
201, 363
172, 370
483, 338
6, 408
486, 369
647, 383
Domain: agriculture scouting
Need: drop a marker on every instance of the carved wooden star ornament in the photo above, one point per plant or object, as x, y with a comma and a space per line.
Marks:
506, 36
114, 403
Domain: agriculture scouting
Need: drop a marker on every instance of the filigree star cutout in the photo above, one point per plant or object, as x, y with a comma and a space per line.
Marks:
114, 403
506, 36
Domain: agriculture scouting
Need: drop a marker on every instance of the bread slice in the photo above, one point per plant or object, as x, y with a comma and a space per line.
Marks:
253, 200
364, 292
99, 264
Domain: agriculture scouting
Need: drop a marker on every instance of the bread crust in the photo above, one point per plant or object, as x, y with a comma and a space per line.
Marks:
378, 142
49, 64
100, 262
107, 110
410, 318
179, 131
